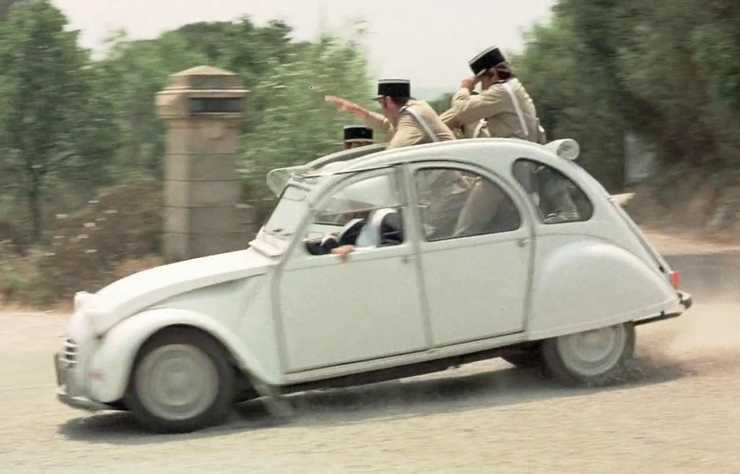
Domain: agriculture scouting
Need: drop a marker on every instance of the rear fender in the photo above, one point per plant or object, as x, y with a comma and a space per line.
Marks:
587, 284
110, 366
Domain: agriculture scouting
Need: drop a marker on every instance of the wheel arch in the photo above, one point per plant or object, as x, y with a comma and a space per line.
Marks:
111, 365
591, 283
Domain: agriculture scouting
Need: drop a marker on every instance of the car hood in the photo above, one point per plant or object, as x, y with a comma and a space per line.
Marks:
134, 293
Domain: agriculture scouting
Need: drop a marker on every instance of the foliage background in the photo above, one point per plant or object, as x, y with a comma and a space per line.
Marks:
666, 70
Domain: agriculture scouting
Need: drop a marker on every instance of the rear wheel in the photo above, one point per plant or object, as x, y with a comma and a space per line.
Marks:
592, 357
181, 381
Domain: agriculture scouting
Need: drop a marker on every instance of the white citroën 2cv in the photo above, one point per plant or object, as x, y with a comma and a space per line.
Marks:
460, 251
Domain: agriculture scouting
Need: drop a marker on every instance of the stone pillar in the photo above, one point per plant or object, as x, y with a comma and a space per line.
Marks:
203, 108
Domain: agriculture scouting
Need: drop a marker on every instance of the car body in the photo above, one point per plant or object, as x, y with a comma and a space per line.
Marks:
559, 286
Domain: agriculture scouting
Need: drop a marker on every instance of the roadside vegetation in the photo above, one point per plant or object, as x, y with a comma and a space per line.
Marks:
666, 72
81, 145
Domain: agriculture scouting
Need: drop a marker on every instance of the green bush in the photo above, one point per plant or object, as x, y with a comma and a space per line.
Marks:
88, 249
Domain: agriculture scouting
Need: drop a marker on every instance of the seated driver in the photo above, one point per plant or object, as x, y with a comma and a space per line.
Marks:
349, 233
383, 228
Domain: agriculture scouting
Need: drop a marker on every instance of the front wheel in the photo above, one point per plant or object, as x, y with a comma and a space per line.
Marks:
181, 382
590, 358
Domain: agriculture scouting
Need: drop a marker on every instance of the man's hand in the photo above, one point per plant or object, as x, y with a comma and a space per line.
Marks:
469, 83
343, 251
344, 105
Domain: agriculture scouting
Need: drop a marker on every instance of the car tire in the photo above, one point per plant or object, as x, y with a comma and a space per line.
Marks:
181, 381
589, 358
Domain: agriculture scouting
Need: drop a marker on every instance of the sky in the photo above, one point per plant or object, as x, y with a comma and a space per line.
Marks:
426, 41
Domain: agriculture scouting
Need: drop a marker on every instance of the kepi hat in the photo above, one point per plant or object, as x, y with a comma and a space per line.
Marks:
357, 133
394, 88
485, 60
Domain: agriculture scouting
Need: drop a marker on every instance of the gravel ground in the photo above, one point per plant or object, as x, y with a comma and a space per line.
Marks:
676, 410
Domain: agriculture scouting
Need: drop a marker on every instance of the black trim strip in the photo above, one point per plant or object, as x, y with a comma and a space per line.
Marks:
662, 316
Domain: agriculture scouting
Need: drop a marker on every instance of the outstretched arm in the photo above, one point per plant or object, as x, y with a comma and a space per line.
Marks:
371, 119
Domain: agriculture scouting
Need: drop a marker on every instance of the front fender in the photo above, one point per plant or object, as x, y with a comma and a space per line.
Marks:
587, 284
110, 365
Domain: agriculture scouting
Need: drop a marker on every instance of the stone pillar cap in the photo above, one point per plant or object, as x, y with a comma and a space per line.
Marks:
202, 92
205, 78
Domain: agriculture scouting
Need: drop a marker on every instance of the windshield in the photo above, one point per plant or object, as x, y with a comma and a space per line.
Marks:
287, 213
358, 199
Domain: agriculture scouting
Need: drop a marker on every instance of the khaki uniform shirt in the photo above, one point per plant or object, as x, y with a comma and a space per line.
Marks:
409, 132
440, 191
496, 106
477, 129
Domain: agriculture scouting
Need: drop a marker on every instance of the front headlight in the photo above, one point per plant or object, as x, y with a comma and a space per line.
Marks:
82, 324
80, 299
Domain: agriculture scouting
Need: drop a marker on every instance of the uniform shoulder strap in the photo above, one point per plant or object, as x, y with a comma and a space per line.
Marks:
517, 109
422, 123
479, 128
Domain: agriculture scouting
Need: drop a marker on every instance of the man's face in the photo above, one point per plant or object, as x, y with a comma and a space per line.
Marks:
390, 109
488, 79
349, 145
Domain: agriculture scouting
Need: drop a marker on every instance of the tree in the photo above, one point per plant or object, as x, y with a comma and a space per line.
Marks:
133, 71
68, 123
665, 70
286, 120
129, 77
44, 102
554, 68
5, 7
251, 51
297, 125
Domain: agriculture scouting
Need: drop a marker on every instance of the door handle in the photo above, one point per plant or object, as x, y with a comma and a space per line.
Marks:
522, 242
407, 258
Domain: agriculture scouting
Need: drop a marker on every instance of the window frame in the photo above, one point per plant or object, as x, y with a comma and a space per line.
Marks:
483, 173
538, 210
397, 182
395, 195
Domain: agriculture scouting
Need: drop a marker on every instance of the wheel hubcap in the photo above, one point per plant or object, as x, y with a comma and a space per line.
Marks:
593, 352
177, 382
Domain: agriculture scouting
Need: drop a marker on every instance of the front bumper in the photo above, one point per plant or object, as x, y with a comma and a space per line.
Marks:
68, 393
79, 402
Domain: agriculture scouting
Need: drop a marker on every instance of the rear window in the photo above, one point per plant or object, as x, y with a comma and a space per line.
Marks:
557, 198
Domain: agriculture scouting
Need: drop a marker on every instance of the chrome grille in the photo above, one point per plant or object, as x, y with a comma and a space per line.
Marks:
69, 354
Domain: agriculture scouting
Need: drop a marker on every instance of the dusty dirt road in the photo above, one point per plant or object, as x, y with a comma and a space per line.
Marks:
677, 411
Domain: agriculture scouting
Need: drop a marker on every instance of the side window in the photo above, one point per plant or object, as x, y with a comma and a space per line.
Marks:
456, 203
556, 196
364, 213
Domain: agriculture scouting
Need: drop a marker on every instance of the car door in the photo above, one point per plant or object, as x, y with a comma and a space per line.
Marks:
368, 306
475, 252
